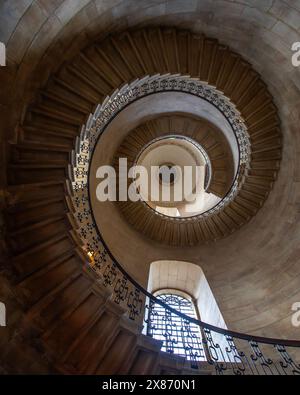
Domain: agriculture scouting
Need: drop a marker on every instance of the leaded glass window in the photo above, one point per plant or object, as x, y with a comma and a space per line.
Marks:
179, 335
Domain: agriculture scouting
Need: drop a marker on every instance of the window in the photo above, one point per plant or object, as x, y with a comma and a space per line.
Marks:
179, 335
182, 286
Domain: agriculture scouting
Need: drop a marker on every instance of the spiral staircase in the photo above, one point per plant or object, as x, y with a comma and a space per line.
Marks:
69, 309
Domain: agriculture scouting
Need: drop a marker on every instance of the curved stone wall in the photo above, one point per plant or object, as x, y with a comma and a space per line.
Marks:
255, 273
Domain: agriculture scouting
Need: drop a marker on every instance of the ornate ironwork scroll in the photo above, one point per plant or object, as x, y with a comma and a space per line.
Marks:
227, 352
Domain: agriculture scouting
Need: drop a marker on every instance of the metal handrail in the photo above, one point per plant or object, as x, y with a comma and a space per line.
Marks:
204, 325
90, 132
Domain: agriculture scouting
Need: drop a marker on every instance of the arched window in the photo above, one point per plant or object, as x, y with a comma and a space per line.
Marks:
179, 335
183, 287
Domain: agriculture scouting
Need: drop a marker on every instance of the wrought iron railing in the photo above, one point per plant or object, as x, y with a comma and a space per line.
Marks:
226, 351
104, 113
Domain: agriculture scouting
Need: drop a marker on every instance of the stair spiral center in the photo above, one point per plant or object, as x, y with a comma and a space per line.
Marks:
176, 173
